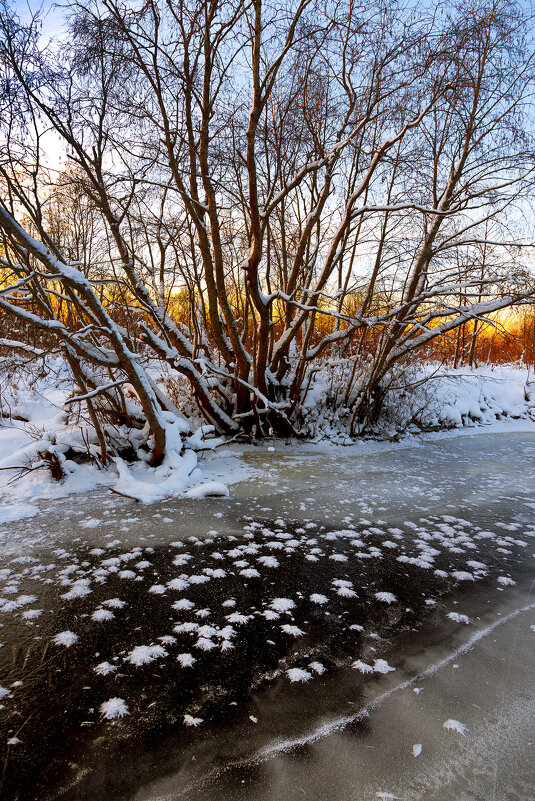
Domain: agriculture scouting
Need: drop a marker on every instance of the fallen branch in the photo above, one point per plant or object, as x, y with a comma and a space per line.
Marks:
226, 442
123, 494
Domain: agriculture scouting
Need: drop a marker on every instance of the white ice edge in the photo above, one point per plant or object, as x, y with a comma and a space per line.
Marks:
371, 446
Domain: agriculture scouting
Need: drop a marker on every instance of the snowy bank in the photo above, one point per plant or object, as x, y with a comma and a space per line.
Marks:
37, 436
426, 398
25, 453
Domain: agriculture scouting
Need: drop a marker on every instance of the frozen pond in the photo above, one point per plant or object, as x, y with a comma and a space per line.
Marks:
306, 638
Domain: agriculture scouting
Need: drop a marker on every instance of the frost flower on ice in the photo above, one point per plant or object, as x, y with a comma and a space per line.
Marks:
454, 725
157, 589
182, 559
198, 579
346, 592
9, 606
505, 581
318, 598
189, 720
293, 631
31, 614
175, 584
476, 565
206, 631
143, 654
102, 614
183, 604
268, 561
218, 573
186, 660
298, 674
104, 669
22, 600
386, 597
362, 666
114, 603
382, 666
250, 572
238, 618
205, 644
317, 667
457, 618
78, 590
187, 628
282, 604
462, 575
114, 708
66, 638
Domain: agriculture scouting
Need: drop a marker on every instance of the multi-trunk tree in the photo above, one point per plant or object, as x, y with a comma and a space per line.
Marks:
310, 179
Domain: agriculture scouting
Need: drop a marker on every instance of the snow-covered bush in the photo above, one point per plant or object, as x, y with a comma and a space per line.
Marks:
417, 397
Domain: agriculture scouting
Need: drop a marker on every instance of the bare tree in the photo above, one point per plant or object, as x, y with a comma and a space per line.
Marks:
308, 175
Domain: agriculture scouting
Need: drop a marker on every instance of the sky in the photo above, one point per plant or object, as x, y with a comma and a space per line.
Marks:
54, 14
53, 149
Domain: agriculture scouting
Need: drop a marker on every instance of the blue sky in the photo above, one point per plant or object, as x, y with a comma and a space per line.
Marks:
54, 14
